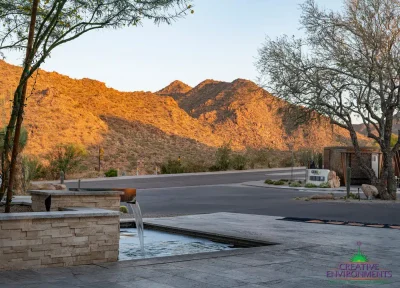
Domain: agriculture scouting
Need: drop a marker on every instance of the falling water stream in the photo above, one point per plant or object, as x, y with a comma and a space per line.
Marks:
139, 223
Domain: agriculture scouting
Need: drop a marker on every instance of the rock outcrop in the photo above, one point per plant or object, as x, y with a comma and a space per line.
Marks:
369, 191
333, 179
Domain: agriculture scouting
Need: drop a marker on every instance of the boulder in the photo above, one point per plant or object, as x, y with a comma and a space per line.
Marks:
369, 191
333, 180
60, 187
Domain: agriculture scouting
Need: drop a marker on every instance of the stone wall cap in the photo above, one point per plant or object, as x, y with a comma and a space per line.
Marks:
75, 193
75, 212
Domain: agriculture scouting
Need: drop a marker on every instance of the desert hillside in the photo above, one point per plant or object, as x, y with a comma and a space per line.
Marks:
175, 121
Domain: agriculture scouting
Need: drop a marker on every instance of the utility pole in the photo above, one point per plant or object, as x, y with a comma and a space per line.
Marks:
28, 60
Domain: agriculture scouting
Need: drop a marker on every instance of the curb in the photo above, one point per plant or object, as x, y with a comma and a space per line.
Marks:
260, 184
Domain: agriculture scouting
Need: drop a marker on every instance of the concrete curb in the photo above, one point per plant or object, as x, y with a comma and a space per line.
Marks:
261, 184
296, 169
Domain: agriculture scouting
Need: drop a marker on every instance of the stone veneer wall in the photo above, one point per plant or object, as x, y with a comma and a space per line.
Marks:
59, 239
108, 202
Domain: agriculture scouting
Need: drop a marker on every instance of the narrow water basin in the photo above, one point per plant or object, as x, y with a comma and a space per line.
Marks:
159, 244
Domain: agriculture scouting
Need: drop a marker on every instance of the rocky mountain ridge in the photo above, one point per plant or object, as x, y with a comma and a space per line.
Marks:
176, 121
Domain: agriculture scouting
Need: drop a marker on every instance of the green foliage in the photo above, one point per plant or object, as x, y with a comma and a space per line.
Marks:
295, 184
325, 185
172, 167
310, 185
259, 157
305, 156
393, 140
279, 183
34, 169
194, 166
23, 139
319, 160
269, 181
239, 162
66, 158
59, 22
351, 196
222, 156
284, 180
111, 173
123, 209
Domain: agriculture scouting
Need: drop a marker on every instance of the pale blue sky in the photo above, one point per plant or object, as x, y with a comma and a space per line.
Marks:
219, 41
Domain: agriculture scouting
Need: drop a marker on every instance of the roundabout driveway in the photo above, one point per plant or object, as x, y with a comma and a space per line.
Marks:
238, 198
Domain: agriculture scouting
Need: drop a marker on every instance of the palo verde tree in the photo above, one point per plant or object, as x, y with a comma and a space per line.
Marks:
38, 27
346, 68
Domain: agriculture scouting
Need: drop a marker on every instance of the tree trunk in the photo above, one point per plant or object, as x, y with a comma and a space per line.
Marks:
6, 155
21, 105
20, 177
365, 167
387, 184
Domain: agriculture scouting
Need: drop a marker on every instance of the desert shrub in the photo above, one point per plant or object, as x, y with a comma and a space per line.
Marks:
34, 169
304, 156
123, 209
194, 167
269, 181
278, 183
259, 157
66, 158
295, 184
319, 160
325, 185
213, 168
222, 157
352, 196
286, 161
172, 167
310, 185
239, 162
23, 139
111, 173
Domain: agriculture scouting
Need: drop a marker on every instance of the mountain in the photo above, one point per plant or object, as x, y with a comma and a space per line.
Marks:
362, 129
249, 116
176, 88
175, 121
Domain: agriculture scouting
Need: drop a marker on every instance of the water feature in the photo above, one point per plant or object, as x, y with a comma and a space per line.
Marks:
160, 244
139, 222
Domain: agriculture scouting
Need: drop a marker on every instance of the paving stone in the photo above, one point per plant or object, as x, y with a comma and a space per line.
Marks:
254, 275
125, 275
301, 260
210, 266
145, 283
55, 284
210, 278
180, 282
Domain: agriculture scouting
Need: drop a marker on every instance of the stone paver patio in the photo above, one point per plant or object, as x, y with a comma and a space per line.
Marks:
305, 253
